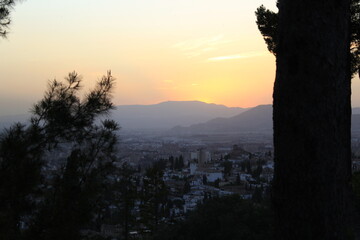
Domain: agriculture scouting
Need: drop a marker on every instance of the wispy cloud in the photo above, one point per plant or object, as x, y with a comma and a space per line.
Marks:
237, 56
196, 47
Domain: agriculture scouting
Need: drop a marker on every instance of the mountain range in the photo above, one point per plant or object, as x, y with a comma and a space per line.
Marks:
162, 116
254, 120
257, 119
166, 115
191, 117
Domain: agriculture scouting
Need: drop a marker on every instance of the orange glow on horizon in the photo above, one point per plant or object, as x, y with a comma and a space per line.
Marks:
158, 51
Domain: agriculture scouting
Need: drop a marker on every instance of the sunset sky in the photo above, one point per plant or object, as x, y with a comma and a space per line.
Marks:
158, 50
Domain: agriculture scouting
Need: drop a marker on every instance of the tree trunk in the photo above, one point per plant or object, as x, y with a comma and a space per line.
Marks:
312, 120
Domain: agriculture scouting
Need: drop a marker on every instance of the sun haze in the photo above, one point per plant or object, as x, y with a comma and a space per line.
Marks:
159, 50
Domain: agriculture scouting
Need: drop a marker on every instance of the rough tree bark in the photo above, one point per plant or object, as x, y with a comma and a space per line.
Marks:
312, 120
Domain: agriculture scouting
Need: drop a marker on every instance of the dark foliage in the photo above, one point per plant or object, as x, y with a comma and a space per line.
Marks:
153, 198
223, 218
125, 195
176, 163
5, 8
60, 205
20, 166
63, 116
355, 36
187, 187
227, 167
73, 197
267, 22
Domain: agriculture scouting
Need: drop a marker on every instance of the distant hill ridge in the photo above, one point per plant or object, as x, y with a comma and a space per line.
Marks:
161, 116
168, 114
190, 117
257, 119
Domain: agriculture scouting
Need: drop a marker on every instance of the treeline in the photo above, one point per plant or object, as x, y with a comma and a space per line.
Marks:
223, 218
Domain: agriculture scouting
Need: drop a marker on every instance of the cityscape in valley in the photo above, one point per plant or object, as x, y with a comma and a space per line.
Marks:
160, 172
218, 152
